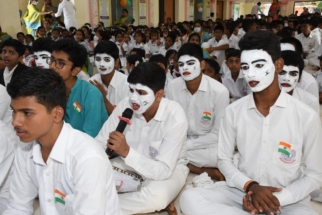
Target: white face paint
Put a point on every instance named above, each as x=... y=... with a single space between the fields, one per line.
x=189 y=67
x=140 y=101
x=41 y=59
x=289 y=78
x=104 y=63
x=258 y=69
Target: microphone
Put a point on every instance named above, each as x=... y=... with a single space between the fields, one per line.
x=124 y=120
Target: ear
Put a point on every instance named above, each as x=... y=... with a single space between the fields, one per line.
x=58 y=114
x=202 y=65
x=159 y=95
x=76 y=70
x=279 y=64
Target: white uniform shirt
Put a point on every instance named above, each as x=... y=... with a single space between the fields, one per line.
x=76 y=167
x=310 y=43
x=121 y=56
x=233 y=42
x=118 y=88
x=163 y=51
x=177 y=45
x=307 y=99
x=317 y=32
x=236 y=89
x=224 y=70
x=258 y=140
x=7 y=75
x=241 y=33
x=220 y=54
x=256 y=9
x=69 y=11
x=157 y=146
x=143 y=46
x=309 y=84
x=318 y=77
x=204 y=110
x=154 y=48
x=5 y=109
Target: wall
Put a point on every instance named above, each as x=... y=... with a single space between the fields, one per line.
x=9 y=19
x=82 y=11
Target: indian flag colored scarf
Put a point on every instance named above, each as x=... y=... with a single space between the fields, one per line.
x=284 y=148
x=59 y=197
x=32 y=19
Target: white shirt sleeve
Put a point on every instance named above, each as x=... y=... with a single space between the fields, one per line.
x=226 y=148
x=312 y=179
x=4 y=102
x=59 y=11
x=317 y=41
x=211 y=138
x=6 y=157
x=22 y=190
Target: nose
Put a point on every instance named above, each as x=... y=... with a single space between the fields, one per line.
x=16 y=120
x=251 y=72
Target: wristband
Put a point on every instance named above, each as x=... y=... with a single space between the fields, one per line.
x=250 y=184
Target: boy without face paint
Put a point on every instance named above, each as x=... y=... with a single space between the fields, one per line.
x=204 y=100
x=52 y=166
x=111 y=83
x=12 y=54
x=85 y=106
x=153 y=144
x=274 y=133
x=291 y=76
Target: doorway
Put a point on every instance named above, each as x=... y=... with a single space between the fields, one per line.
x=220 y=10
x=166 y=10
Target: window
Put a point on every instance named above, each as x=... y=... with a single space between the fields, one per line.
x=308 y=7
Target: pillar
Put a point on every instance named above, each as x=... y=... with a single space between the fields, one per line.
x=182 y=10
x=10 y=17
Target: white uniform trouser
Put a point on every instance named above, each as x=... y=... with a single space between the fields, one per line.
x=203 y=157
x=154 y=195
x=225 y=200
x=70 y=22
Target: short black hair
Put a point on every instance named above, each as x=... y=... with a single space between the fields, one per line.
x=247 y=23
x=194 y=35
x=20 y=33
x=55 y=29
x=139 y=51
x=169 y=53
x=107 y=47
x=31 y=37
x=132 y=59
x=295 y=42
x=76 y=52
x=212 y=63
x=29 y=48
x=43 y=44
x=172 y=36
x=105 y=35
x=219 y=27
x=233 y=53
x=284 y=33
x=159 y=58
x=294 y=59
x=45 y=84
x=191 y=49
x=265 y=40
x=148 y=74
x=16 y=45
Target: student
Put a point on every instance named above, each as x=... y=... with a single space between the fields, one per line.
x=204 y=36
x=21 y=37
x=275 y=135
x=138 y=51
x=169 y=56
x=40 y=33
x=212 y=69
x=291 y=76
x=127 y=43
x=233 y=40
x=85 y=105
x=42 y=51
x=155 y=42
x=5 y=110
x=168 y=44
x=52 y=167
x=55 y=34
x=29 y=39
x=122 y=47
x=162 y=61
x=153 y=145
x=218 y=44
x=234 y=80
x=141 y=43
x=203 y=100
x=111 y=83
x=12 y=54
x=6 y=160
x=307 y=82
x=195 y=38
x=132 y=61
x=310 y=41
x=318 y=77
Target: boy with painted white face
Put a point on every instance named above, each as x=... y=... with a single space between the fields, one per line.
x=275 y=135
x=153 y=145
x=203 y=100
x=111 y=83
x=42 y=49
x=290 y=77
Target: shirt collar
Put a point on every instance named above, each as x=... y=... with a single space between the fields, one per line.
x=114 y=79
x=202 y=86
x=280 y=102
x=159 y=116
x=6 y=70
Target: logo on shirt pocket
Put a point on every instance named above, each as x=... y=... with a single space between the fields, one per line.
x=206 y=118
x=286 y=153
x=59 y=197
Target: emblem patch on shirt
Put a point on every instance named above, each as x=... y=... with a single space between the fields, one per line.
x=206 y=118
x=77 y=107
x=59 y=197
x=153 y=152
x=287 y=154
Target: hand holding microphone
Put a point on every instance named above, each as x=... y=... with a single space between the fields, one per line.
x=117 y=141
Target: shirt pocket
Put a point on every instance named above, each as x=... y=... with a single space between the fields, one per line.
x=205 y=120
x=288 y=157
x=154 y=147
x=69 y=200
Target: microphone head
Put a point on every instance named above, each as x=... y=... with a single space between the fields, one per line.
x=128 y=113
